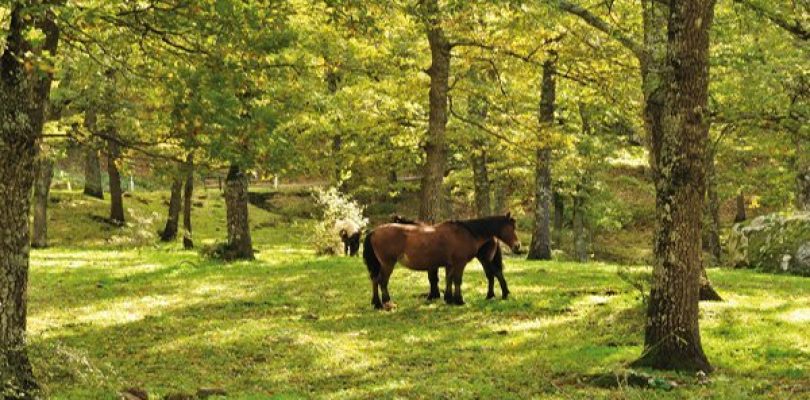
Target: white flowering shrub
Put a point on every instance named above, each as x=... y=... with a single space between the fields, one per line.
x=337 y=211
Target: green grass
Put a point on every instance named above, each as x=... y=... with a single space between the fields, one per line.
x=108 y=315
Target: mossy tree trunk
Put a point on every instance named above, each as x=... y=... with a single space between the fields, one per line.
x=92 y=165
x=116 y=194
x=239 y=245
x=803 y=171
x=188 y=191
x=540 y=247
x=42 y=189
x=435 y=142
x=172 y=220
x=678 y=145
x=24 y=92
x=740 y=215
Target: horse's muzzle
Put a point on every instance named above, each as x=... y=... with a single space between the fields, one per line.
x=516 y=248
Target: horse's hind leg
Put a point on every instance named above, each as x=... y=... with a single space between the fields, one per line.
x=448 y=285
x=457 y=298
x=385 y=275
x=433 y=278
x=375 y=294
x=490 y=281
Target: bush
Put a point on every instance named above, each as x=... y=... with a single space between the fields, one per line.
x=336 y=210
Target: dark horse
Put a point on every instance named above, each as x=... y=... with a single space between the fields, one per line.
x=451 y=244
x=489 y=255
x=351 y=242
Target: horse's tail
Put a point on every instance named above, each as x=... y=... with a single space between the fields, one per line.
x=372 y=263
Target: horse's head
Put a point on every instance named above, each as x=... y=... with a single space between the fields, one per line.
x=508 y=234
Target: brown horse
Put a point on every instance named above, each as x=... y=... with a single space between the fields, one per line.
x=489 y=255
x=451 y=244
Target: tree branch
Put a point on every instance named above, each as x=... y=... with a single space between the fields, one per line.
x=600 y=24
x=796 y=28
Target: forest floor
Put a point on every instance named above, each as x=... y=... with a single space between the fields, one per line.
x=109 y=309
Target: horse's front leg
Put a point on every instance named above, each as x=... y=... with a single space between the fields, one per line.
x=433 y=279
x=504 y=288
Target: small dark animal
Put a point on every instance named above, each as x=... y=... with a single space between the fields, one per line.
x=351 y=242
x=489 y=255
x=422 y=247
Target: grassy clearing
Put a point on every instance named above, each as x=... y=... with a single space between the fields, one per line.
x=292 y=325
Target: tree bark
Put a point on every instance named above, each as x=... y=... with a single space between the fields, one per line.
x=42 y=189
x=116 y=194
x=92 y=165
x=236 y=204
x=24 y=92
x=170 y=231
x=188 y=191
x=540 y=248
x=740 y=215
x=435 y=146
x=678 y=145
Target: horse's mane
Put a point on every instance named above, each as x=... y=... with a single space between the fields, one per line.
x=483 y=227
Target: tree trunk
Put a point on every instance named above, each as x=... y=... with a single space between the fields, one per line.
x=92 y=165
x=580 y=236
x=740 y=215
x=42 y=189
x=707 y=292
x=116 y=194
x=188 y=191
x=24 y=92
x=678 y=145
x=236 y=204
x=559 y=216
x=170 y=231
x=540 y=248
x=713 y=210
x=435 y=146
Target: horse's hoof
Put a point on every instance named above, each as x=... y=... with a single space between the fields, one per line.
x=459 y=302
x=377 y=305
x=490 y=296
x=505 y=296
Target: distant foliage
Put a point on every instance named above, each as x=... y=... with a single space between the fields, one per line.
x=336 y=211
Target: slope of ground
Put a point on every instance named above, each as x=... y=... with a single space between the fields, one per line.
x=292 y=325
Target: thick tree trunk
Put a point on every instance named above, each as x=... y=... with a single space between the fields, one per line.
x=540 y=248
x=24 y=91
x=740 y=215
x=580 y=235
x=236 y=204
x=713 y=211
x=170 y=231
x=188 y=191
x=435 y=146
x=116 y=194
x=559 y=216
x=42 y=189
x=678 y=145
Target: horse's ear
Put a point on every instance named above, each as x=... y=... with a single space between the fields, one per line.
x=508 y=214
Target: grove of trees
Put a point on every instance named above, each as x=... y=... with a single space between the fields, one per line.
x=479 y=107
